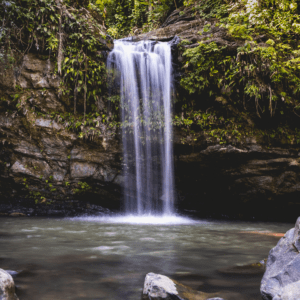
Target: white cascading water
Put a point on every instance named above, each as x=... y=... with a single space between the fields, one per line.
x=141 y=73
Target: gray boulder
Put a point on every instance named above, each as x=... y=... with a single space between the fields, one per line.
x=7 y=286
x=281 y=280
x=160 y=287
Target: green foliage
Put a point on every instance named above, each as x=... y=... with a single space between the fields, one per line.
x=73 y=38
x=209 y=8
x=38 y=197
x=28 y=23
x=212 y=125
x=258 y=73
x=202 y=64
x=226 y=92
x=82 y=187
x=83 y=67
x=124 y=16
x=91 y=125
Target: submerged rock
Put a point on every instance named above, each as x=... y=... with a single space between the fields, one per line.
x=17 y=214
x=249 y=269
x=7 y=286
x=281 y=280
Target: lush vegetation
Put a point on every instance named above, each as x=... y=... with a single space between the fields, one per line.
x=126 y=17
x=59 y=32
x=252 y=89
x=72 y=34
x=261 y=77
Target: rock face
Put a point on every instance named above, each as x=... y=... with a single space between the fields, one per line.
x=46 y=169
x=281 y=280
x=7 y=286
x=45 y=162
x=186 y=24
x=247 y=177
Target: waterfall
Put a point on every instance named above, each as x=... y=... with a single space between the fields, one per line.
x=140 y=74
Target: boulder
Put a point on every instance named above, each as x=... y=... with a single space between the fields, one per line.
x=7 y=286
x=281 y=280
x=158 y=287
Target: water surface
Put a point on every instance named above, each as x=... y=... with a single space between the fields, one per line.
x=108 y=258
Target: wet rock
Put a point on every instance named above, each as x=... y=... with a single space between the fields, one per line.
x=195 y=281
x=81 y=170
x=43 y=161
x=281 y=280
x=17 y=214
x=8 y=79
x=31 y=167
x=53 y=208
x=7 y=286
x=222 y=149
x=26 y=148
x=188 y=25
x=248 y=176
x=48 y=123
x=158 y=287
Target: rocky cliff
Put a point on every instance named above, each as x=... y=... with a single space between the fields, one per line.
x=247 y=166
x=49 y=168
x=45 y=166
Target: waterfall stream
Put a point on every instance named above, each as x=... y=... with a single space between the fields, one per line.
x=141 y=74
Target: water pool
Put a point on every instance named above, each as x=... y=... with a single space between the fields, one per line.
x=108 y=258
